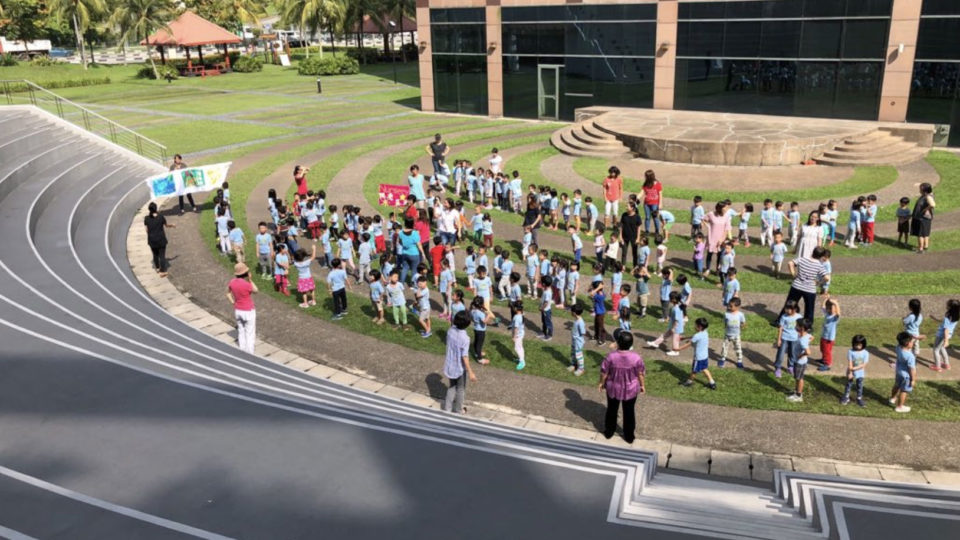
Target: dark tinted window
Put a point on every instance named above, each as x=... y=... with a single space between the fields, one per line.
x=781 y=8
x=821 y=39
x=863 y=8
x=457 y=15
x=700 y=39
x=518 y=14
x=940 y=7
x=865 y=38
x=460 y=84
x=939 y=39
x=823 y=8
x=781 y=39
x=459 y=38
x=743 y=10
x=519 y=38
x=742 y=39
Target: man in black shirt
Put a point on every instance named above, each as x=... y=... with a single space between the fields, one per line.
x=629 y=229
x=438 y=151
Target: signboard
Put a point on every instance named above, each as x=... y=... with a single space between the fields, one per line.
x=390 y=195
x=284 y=60
x=189 y=180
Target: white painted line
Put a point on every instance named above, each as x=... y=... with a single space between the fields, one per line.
x=11 y=534
x=111 y=507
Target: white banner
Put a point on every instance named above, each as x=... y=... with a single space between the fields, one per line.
x=189 y=180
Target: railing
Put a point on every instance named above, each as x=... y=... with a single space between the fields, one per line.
x=23 y=92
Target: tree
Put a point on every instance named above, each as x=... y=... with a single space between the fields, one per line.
x=397 y=10
x=140 y=18
x=24 y=21
x=313 y=15
x=81 y=13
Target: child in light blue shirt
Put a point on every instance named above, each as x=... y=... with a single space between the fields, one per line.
x=857 y=360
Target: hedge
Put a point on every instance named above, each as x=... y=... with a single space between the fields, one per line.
x=247 y=64
x=328 y=65
x=164 y=71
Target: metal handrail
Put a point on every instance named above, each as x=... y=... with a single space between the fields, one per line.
x=141 y=145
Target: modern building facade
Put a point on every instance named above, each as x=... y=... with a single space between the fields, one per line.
x=889 y=60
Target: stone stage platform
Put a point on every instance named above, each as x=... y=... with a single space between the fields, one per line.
x=706 y=138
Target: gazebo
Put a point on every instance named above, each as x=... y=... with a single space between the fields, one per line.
x=370 y=26
x=191 y=30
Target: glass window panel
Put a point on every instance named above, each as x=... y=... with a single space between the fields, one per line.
x=821 y=39
x=780 y=39
x=865 y=38
x=640 y=12
x=445 y=83
x=743 y=10
x=639 y=39
x=636 y=86
x=472 y=38
x=705 y=10
x=776 y=83
x=940 y=7
x=517 y=14
x=520 y=86
x=578 y=39
x=457 y=15
x=858 y=90
x=472 y=84
x=781 y=8
x=938 y=39
x=815 y=86
x=935 y=97
x=606 y=76
x=550 y=38
x=552 y=13
x=442 y=38
x=519 y=38
x=863 y=8
x=577 y=79
x=704 y=39
x=741 y=39
x=823 y=8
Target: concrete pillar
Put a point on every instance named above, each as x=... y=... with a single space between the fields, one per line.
x=898 y=71
x=426 y=56
x=494 y=60
x=664 y=69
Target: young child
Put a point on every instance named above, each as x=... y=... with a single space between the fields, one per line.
x=766 y=223
x=576 y=242
x=476 y=223
x=731 y=287
x=853 y=226
x=857 y=360
x=801 y=353
x=726 y=263
x=793 y=218
x=786 y=337
x=364 y=256
x=486 y=229
x=832 y=216
x=483 y=287
x=326 y=245
x=264 y=241
x=599 y=244
x=903 y=221
x=697 y=214
x=599 y=311
x=674 y=327
x=546 y=308
x=701 y=354
x=481 y=318
x=422 y=296
x=906 y=378
x=643 y=256
x=223 y=229
x=945 y=331
x=397 y=300
x=374 y=279
x=545 y=268
x=237 y=239
x=337 y=281
x=506 y=270
x=470 y=266
x=661 y=252
x=437 y=255
x=456 y=303
x=643 y=288
x=578 y=335
x=870 y=218
x=572 y=284
x=281 y=268
x=666 y=220
x=516 y=324
x=743 y=234
x=593 y=214
x=778 y=250
x=912 y=322
x=345 y=247
x=699 y=251
x=446 y=282
x=666 y=288
x=734 y=323
x=305 y=284
x=616 y=282
x=533 y=264
x=622 y=311
x=828 y=334
x=527 y=239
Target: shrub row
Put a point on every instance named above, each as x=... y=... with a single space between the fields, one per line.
x=247 y=64
x=329 y=65
x=164 y=71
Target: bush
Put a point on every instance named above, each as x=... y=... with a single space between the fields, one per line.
x=42 y=61
x=7 y=60
x=164 y=71
x=247 y=64
x=365 y=56
x=329 y=65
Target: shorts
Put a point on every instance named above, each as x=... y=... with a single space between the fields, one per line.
x=424 y=315
x=903 y=383
x=305 y=285
x=903 y=227
x=799 y=370
x=700 y=365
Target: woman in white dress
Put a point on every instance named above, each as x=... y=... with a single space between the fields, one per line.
x=811 y=236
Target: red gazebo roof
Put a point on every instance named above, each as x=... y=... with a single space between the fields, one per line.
x=191 y=30
x=370 y=25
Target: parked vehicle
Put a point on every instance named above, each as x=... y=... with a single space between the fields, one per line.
x=21 y=51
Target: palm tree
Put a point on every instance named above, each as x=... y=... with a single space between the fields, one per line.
x=236 y=11
x=80 y=13
x=140 y=18
x=313 y=15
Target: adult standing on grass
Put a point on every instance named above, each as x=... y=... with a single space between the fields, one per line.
x=922 y=219
x=240 y=292
x=652 y=199
x=718 y=226
x=808 y=273
x=415 y=181
x=811 y=237
x=612 y=192
x=532 y=217
x=157 y=238
x=629 y=231
x=411 y=251
x=300 y=178
x=176 y=166
x=456 y=364
x=448 y=224
x=438 y=150
x=622 y=378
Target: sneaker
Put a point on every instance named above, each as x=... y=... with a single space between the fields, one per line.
x=578 y=372
x=721 y=363
x=777 y=373
x=571 y=368
x=938 y=369
x=547 y=338
x=845 y=400
x=902 y=409
x=336 y=317
x=794 y=398
x=892 y=401
x=712 y=386
x=483 y=361
x=686 y=382
x=652 y=345
x=673 y=353
x=426 y=334
x=521 y=365
x=823 y=367
x=740 y=365
x=661 y=320
x=860 y=402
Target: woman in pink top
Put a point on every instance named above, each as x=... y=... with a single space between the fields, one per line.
x=718 y=225
x=652 y=198
x=612 y=192
x=300 y=177
x=240 y=293
x=622 y=378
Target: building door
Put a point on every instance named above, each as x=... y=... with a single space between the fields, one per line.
x=548 y=91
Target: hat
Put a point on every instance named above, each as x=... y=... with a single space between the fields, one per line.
x=240 y=269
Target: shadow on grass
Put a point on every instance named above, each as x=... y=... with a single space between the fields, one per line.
x=412 y=102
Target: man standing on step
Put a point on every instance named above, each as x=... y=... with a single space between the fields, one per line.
x=438 y=151
x=177 y=165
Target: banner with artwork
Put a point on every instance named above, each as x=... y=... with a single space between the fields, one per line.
x=390 y=195
x=189 y=180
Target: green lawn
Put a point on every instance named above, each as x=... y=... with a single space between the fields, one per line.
x=195 y=135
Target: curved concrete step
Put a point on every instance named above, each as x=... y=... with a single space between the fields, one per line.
x=871 y=153
x=872 y=137
x=880 y=144
x=561 y=140
x=592 y=130
x=602 y=144
x=892 y=160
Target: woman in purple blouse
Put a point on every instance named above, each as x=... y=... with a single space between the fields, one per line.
x=621 y=377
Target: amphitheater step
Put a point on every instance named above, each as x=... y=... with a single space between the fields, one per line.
x=575 y=141
x=874 y=148
x=901 y=158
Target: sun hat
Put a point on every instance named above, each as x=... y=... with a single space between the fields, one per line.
x=240 y=269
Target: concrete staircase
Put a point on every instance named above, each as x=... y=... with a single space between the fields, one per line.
x=875 y=148
x=585 y=139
